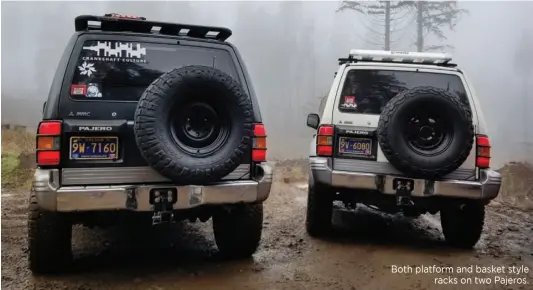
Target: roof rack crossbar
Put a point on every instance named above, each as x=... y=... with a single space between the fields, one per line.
x=82 y=23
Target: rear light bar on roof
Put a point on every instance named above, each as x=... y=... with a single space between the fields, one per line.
x=124 y=16
x=482 y=151
x=259 y=148
x=324 y=141
x=48 y=143
x=400 y=56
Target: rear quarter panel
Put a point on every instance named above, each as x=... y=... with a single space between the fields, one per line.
x=326 y=116
x=481 y=127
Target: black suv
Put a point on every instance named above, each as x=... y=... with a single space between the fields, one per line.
x=148 y=117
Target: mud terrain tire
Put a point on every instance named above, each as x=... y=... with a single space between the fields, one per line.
x=175 y=94
x=319 y=209
x=462 y=226
x=238 y=230
x=49 y=240
x=443 y=124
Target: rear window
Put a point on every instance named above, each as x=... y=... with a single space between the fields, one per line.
x=368 y=91
x=121 y=71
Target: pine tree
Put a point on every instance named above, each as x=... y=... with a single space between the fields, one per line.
x=430 y=16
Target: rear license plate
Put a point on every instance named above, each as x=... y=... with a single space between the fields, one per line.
x=355 y=146
x=94 y=148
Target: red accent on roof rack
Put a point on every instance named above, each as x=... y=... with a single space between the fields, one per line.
x=124 y=16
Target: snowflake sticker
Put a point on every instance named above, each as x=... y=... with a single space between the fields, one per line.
x=87 y=69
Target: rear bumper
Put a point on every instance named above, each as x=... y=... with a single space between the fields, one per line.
x=486 y=188
x=53 y=197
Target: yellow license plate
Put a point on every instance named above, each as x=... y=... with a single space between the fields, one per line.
x=355 y=146
x=94 y=148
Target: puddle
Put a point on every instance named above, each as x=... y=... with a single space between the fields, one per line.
x=301 y=185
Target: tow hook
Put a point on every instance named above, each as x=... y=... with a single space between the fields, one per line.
x=405 y=201
x=163 y=200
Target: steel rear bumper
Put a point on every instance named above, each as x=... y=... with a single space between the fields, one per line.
x=53 y=197
x=486 y=188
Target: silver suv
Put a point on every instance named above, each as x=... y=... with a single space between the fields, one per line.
x=402 y=132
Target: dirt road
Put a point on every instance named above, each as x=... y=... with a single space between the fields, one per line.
x=361 y=254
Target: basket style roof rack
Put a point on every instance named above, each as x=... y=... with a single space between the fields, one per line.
x=425 y=58
x=117 y=22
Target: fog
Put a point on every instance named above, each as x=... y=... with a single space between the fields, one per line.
x=291 y=51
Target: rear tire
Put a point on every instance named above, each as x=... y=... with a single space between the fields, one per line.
x=49 y=240
x=319 y=209
x=238 y=230
x=462 y=226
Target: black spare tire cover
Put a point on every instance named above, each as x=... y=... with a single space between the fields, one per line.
x=163 y=124
x=426 y=132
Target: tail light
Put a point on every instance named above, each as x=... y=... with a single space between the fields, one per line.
x=482 y=151
x=324 y=141
x=48 y=143
x=259 y=147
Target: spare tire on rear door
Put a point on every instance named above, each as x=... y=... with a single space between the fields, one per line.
x=426 y=132
x=194 y=124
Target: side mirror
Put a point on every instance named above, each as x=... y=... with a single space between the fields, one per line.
x=44 y=106
x=313 y=120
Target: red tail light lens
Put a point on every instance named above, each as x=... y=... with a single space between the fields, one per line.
x=324 y=140
x=48 y=157
x=325 y=130
x=324 y=150
x=259 y=147
x=50 y=128
x=482 y=151
x=48 y=143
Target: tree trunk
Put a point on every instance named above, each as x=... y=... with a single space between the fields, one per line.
x=420 y=26
x=387 y=25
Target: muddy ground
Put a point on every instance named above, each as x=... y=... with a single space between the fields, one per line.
x=360 y=254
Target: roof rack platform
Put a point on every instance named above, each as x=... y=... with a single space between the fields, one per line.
x=112 y=22
x=425 y=58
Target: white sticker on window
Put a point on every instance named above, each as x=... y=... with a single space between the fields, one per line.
x=87 y=69
x=113 y=51
x=93 y=91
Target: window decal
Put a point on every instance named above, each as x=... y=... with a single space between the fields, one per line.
x=93 y=91
x=79 y=90
x=114 y=51
x=349 y=102
x=87 y=69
